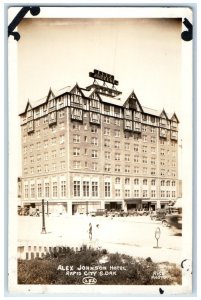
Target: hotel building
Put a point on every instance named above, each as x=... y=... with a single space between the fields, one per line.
x=94 y=147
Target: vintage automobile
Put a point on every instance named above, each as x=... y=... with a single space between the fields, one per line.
x=101 y=212
x=159 y=215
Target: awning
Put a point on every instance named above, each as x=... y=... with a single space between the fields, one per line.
x=133 y=200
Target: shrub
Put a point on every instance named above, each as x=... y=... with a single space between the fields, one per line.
x=137 y=271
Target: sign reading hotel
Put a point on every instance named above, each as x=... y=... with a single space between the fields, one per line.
x=103 y=76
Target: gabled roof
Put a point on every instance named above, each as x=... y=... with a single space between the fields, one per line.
x=174 y=116
x=151 y=111
x=77 y=86
x=26 y=107
x=163 y=113
x=133 y=97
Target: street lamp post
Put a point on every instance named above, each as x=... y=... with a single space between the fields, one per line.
x=43 y=218
x=47 y=209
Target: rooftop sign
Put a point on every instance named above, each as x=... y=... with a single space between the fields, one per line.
x=103 y=76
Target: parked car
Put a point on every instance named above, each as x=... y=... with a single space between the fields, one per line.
x=158 y=214
x=101 y=212
x=122 y=213
x=93 y=213
x=132 y=212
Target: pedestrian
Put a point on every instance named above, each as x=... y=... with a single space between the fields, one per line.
x=90 y=231
x=97 y=237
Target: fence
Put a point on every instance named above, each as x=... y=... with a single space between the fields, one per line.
x=27 y=250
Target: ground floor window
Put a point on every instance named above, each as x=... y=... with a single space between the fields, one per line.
x=63 y=188
x=85 y=189
x=94 y=189
x=76 y=188
x=47 y=189
x=107 y=189
x=54 y=189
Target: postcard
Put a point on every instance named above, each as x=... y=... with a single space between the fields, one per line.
x=100 y=150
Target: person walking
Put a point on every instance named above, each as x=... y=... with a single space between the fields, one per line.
x=90 y=231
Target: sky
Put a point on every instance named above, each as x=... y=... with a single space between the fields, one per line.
x=144 y=55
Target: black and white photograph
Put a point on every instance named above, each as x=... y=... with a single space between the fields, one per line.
x=100 y=151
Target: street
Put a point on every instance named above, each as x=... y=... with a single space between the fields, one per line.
x=129 y=235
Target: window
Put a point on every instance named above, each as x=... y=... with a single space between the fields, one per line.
x=162 y=152
x=86 y=164
x=162 y=172
x=144 y=160
x=144 y=138
x=153 y=171
x=76 y=188
x=26 y=191
x=144 y=128
x=63 y=165
x=47 y=189
x=85 y=151
x=32 y=170
x=117 y=168
x=145 y=170
x=153 y=119
x=94 y=129
x=144 y=193
x=173 y=173
x=94 y=154
x=61 y=113
x=117 y=180
x=144 y=118
x=173 y=183
x=54 y=189
x=168 y=194
x=107 y=143
x=127 y=157
x=53 y=141
x=136 y=170
x=117 y=133
x=106 y=120
x=144 y=149
x=85 y=138
x=117 y=193
x=107 y=155
x=136 y=193
x=85 y=189
x=153 y=140
x=117 y=122
x=45 y=120
x=76 y=126
x=107 y=189
x=39 y=190
x=76 y=164
x=62 y=152
x=127 y=193
x=45 y=143
x=53 y=167
x=107 y=167
x=162 y=182
x=76 y=138
x=127 y=180
x=38 y=157
x=63 y=188
x=153 y=160
x=162 y=162
x=39 y=170
x=46 y=156
x=117 y=145
x=62 y=139
x=46 y=169
x=117 y=156
x=127 y=169
x=127 y=146
x=162 y=194
x=136 y=158
x=76 y=151
x=94 y=166
x=32 y=191
x=153 y=129
x=136 y=181
x=38 y=133
x=136 y=147
x=144 y=181
x=167 y=183
x=153 y=182
x=153 y=193
x=25 y=150
x=106 y=131
x=173 y=194
x=153 y=150
x=94 y=186
x=94 y=141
